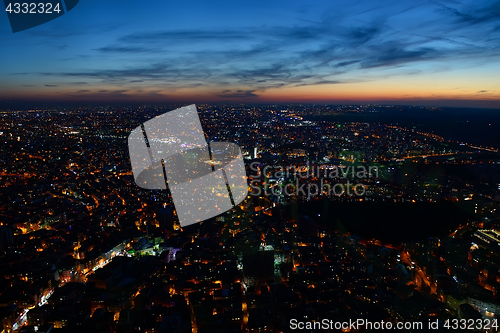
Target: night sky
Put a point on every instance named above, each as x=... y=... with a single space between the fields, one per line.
x=443 y=53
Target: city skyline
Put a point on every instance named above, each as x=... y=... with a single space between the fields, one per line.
x=437 y=53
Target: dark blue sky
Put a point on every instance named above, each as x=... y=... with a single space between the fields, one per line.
x=427 y=52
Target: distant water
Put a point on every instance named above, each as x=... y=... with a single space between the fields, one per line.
x=475 y=126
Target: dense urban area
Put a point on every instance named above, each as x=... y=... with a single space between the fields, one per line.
x=344 y=221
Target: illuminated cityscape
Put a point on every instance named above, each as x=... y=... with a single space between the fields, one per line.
x=83 y=249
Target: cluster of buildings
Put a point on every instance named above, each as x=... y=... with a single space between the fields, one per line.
x=83 y=249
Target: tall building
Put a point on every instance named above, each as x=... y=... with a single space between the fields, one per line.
x=258 y=267
x=166 y=218
x=9 y=314
x=6 y=237
x=307 y=227
x=497 y=195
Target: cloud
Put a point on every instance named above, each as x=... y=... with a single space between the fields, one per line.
x=486 y=13
x=346 y=63
x=189 y=36
x=320 y=82
x=362 y=35
x=237 y=94
x=51 y=85
x=124 y=49
x=115 y=95
x=392 y=56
